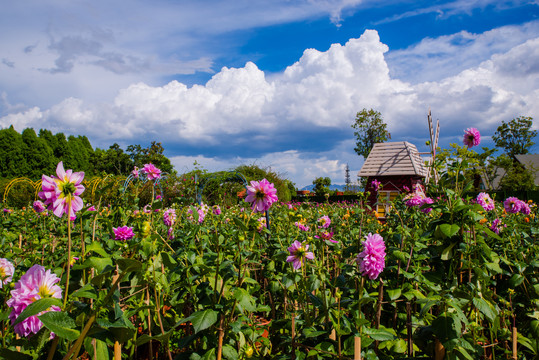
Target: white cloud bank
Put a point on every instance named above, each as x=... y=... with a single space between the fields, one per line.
x=298 y=122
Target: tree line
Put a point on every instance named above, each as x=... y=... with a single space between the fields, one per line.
x=31 y=155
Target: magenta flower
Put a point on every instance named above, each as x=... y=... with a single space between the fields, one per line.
x=216 y=210
x=261 y=194
x=37 y=283
x=261 y=224
x=38 y=206
x=524 y=208
x=485 y=201
x=426 y=200
x=123 y=233
x=302 y=226
x=472 y=137
x=135 y=172
x=326 y=235
x=324 y=222
x=6 y=271
x=61 y=194
x=376 y=185
x=372 y=259
x=497 y=226
x=151 y=171
x=298 y=254
x=92 y=208
x=415 y=200
x=512 y=205
x=169 y=217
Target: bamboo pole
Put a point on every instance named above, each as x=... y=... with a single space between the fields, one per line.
x=409 y=329
x=514 y=338
x=221 y=336
x=357 y=348
x=439 y=350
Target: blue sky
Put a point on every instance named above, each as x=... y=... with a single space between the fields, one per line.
x=276 y=83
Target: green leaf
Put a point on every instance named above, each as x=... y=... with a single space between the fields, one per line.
x=446 y=254
x=202 y=319
x=13 y=355
x=100 y=264
x=449 y=230
x=245 y=300
x=399 y=346
x=229 y=352
x=37 y=307
x=485 y=308
x=87 y=291
x=61 y=324
x=394 y=294
x=128 y=265
x=97 y=248
x=379 y=334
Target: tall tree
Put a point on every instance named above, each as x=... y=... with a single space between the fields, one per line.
x=38 y=155
x=370 y=129
x=515 y=137
x=321 y=185
x=12 y=160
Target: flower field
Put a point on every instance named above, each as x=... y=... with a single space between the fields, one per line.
x=446 y=275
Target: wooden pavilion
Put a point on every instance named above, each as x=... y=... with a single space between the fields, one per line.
x=398 y=166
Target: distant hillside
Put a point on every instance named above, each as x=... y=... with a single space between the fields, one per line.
x=331 y=187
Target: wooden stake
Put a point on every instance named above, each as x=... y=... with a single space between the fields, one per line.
x=221 y=336
x=439 y=350
x=514 y=342
x=357 y=348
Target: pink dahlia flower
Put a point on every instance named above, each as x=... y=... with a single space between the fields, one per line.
x=298 y=254
x=123 y=233
x=372 y=259
x=261 y=224
x=38 y=206
x=376 y=185
x=216 y=210
x=261 y=194
x=472 y=137
x=326 y=235
x=135 y=172
x=324 y=222
x=37 y=283
x=151 y=171
x=429 y=201
x=512 y=205
x=6 y=271
x=415 y=200
x=524 y=208
x=485 y=201
x=61 y=194
x=302 y=226
x=497 y=226
x=169 y=217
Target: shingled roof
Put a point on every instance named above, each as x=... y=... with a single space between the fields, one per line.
x=393 y=158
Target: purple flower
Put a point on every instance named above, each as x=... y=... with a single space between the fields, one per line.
x=376 y=185
x=38 y=206
x=36 y=284
x=324 y=222
x=169 y=217
x=61 y=194
x=326 y=235
x=6 y=271
x=123 y=233
x=472 y=137
x=415 y=200
x=151 y=171
x=512 y=205
x=497 y=226
x=426 y=200
x=135 y=172
x=216 y=210
x=485 y=201
x=524 y=208
x=261 y=224
x=298 y=254
x=261 y=194
x=372 y=259
x=302 y=226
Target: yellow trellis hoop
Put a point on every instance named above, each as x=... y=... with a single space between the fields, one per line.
x=35 y=184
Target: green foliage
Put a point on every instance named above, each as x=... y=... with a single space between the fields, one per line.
x=321 y=185
x=515 y=176
x=516 y=136
x=370 y=129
